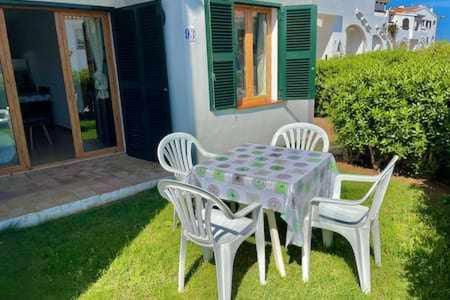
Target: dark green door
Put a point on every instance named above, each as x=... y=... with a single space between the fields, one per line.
x=141 y=62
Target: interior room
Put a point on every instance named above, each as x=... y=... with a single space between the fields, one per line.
x=40 y=85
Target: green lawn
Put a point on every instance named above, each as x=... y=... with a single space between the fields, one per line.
x=88 y=130
x=128 y=251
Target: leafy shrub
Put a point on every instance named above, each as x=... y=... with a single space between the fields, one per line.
x=391 y=102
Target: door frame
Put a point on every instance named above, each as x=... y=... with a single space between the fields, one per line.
x=13 y=98
x=70 y=88
x=13 y=101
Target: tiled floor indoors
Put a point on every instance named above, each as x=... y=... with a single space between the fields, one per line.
x=61 y=190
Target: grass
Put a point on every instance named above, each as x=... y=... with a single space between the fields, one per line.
x=88 y=130
x=128 y=250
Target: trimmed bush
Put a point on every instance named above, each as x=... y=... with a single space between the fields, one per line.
x=390 y=102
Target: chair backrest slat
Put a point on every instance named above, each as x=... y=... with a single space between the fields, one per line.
x=193 y=206
x=175 y=153
x=304 y=136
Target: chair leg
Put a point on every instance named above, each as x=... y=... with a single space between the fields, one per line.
x=182 y=263
x=376 y=239
x=359 y=240
x=364 y=239
x=47 y=135
x=207 y=254
x=276 y=247
x=260 y=248
x=327 y=238
x=174 y=219
x=306 y=249
x=224 y=256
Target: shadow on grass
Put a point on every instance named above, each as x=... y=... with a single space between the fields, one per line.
x=340 y=248
x=427 y=265
x=246 y=257
x=62 y=258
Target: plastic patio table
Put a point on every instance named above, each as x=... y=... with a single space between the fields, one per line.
x=282 y=180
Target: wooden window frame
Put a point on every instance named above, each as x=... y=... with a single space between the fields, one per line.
x=250 y=100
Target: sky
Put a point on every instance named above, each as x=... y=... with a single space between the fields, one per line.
x=441 y=8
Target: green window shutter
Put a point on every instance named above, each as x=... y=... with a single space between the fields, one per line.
x=221 y=58
x=297 y=52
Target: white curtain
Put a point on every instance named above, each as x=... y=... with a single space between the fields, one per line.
x=95 y=41
x=261 y=54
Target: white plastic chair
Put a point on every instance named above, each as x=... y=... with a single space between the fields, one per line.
x=175 y=156
x=209 y=223
x=352 y=220
x=4 y=117
x=301 y=136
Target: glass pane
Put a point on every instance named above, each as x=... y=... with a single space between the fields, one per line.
x=91 y=82
x=259 y=53
x=240 y=59
x=8 y=150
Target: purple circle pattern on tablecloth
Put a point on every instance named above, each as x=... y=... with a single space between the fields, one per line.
x=262 y=172
x=300 y=165
x=238 y=162
x=284 y=176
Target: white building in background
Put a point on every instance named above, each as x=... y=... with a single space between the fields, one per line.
x=413 y=27
x=351 y=27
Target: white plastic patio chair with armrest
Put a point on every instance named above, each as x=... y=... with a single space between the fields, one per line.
x=299 y=136
x=209 y=223
x=352 y=220
x=175 y=153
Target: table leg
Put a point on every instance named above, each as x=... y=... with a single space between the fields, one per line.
x=276 y=247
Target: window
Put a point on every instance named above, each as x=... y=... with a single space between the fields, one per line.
x=405 y=24
x=244 y=65
x=380 y=6
x=253 y=59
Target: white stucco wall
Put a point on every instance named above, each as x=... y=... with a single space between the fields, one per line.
x=188 y=73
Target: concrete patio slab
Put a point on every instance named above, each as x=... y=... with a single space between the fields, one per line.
x=40 y=195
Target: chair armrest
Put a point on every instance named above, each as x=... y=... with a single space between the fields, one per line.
x=247 y=210
x=319 y=200
x=357 y=178
x=350 y=177
x=207 y=154
x=174 y=171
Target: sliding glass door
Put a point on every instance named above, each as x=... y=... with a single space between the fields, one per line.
x=90 y=81
x=13 y=154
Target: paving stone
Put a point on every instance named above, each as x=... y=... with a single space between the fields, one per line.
x=41 y=189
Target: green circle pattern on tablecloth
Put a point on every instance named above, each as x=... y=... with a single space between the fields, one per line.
x=219 y=175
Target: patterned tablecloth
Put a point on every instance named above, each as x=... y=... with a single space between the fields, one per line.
x=283 y=180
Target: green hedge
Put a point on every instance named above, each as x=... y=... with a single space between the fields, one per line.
x=390 y=102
